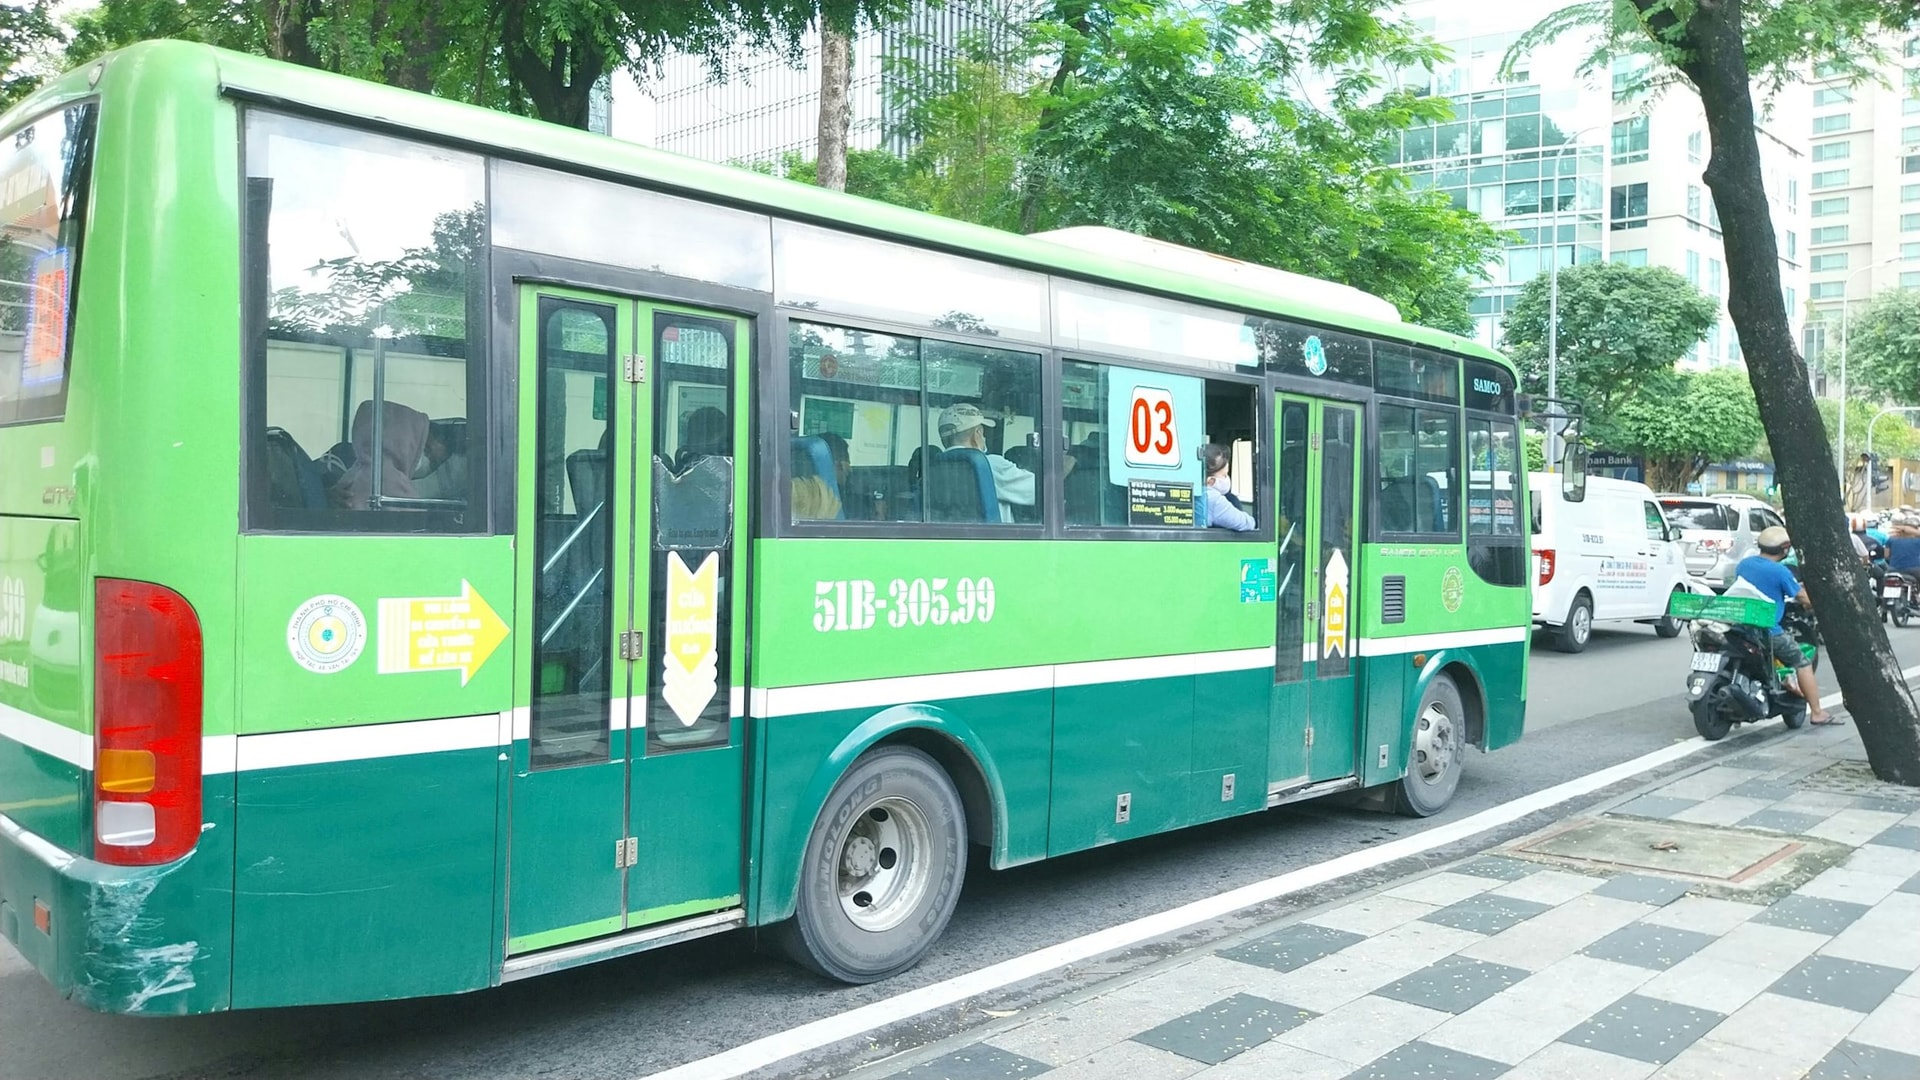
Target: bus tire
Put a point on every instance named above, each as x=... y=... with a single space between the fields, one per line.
x=1433 y=764
x=882 y=869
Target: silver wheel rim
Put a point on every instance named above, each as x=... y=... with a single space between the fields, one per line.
x=1433 y=744
x=1582 y=622
x=882 y=869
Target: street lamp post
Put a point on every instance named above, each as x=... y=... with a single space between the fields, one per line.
x=1553 y=289
x=1867 y=502
x=1846 y=308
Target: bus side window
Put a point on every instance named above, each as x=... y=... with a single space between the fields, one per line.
x=364 y=258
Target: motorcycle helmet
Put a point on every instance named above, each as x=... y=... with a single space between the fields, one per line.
x=1773 y=540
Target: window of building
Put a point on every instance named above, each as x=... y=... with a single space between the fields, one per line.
x=926 y=430
x=1910 y=222
x=366 y=275
x=1793 y=244
x=1826 y=264
x=1823 y=125
x=1909 y=193
x=1693 y=201
x=1910 y=279
x=48 y=165
x=1693 y=268
x=1713 y=277
x=1833 y=151
x=1912 y=47
x=1696 y=142
x=1831 y=95
x=1630 y=257
x=1827 y=290
x=1631 y=139
x=1793 y=194
x=1910 y=251
x=1910 y=106
x=1790 y=298
x=1629 y=206
x=1910 y=163
x=1833 y=207
x=1830 y=234
x=1830 y=179
x=1910 y=135
x=1132 y=438
x=1713 y=342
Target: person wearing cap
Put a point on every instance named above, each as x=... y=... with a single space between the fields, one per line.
x=1763 y=572
x=962 y=425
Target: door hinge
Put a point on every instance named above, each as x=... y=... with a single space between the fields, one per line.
x=626 y=852
x=1309 y=738
x=633 y=367
x=1313 y=441
x=1310 y=609
x=633 y=645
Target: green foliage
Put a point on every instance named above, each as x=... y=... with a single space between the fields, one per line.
x=1173 y=121
x=29 y=37
x=1680 y=422
x=1883 y=348
x=1893 y=435
x=1620 y=327
x=1536 y=442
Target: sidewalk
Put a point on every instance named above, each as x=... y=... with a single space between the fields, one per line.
x=1754 y=919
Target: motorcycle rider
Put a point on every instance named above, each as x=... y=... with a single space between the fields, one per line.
x=1763 y=572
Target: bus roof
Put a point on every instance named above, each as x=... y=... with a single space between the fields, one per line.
x=192 y=68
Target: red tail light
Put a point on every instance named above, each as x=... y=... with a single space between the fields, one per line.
x=1546 y=564
x=147 y=678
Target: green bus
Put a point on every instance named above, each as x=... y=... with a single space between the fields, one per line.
x=439 y=548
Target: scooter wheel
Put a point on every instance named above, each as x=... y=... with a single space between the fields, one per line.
x=1710 y=720
x=1902 y=614
x=1794 y=714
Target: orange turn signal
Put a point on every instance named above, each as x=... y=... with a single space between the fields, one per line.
x=125 y=772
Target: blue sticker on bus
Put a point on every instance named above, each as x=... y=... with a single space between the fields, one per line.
x=1257 y=581
x=1315 y=354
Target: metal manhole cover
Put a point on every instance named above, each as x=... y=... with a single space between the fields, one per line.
x=1715 y=854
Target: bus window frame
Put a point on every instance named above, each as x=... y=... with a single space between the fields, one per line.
x=1375 y=532
x=1252 y=378
x=484 y=404
x=784 y=418
x=83 y=241
x=1522 y=495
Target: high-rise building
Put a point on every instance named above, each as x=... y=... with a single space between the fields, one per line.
x=767 y=103
x=1864 y=234
x=1583 y=170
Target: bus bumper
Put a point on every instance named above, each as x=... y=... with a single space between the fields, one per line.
x=104 y=936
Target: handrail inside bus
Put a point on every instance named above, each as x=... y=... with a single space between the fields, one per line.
x=574 y=535
x=578 y=597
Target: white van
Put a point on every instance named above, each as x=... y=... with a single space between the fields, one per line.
x=1611 y=557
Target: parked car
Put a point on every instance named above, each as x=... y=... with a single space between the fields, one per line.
x=1611 y=557
x=1719 y=530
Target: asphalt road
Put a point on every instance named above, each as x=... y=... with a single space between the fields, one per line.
x=631 y=1017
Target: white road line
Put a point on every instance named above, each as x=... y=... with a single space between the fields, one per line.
x=826 y=1031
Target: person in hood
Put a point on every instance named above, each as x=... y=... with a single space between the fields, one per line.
x=403 y=436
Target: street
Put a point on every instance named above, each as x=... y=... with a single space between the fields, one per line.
x=629 y=1018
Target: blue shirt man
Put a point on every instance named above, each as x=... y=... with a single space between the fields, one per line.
x=1903 y=554
x=1764 y=573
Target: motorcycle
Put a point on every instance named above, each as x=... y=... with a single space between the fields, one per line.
x=1735 y=678
x=1899 y=598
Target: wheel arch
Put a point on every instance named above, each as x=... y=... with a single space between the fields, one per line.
x=946 y=738
x=1459 y=667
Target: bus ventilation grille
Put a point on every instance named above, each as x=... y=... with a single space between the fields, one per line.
x=1393 y=599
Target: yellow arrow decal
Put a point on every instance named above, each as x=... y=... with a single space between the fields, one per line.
x=439 y=633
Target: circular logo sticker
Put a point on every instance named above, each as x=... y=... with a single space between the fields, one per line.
x=1452 y=589
x=326 y=634
x=1315 y=354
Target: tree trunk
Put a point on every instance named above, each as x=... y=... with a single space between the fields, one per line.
x=558 y=86
x=836 y=112
x=1075 y=16
x=1876 y=694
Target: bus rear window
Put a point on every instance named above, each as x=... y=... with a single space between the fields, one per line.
x=44 y=171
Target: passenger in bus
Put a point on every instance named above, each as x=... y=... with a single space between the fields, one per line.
x=403 y=438
x=1221 y=511
x=707 y=434
x=442 y=470
x=962 y=425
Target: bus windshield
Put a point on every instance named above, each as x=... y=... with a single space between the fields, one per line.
x=44 y=168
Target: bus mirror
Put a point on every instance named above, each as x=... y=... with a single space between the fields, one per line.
x=1573 y=473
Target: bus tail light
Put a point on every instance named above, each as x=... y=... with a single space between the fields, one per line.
x=147 y=684
x=1546 y=564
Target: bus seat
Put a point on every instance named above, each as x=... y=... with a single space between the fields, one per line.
x=587 y=476
x=1433 y=516
x=959 y=486
x=294 y=479
x=811 y=457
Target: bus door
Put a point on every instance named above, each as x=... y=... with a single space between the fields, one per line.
x=1315 y=711
x=627 y=802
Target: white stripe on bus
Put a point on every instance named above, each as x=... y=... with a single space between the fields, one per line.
x=321 y=746
x=1456 y=639
x=54 y=740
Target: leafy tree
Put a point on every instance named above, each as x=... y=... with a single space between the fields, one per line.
x=1681 y=422
x=1619 y=327
x=29 y=36
x=1725 y=50
x=1883 y=348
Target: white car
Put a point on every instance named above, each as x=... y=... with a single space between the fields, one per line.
x=1611 y=557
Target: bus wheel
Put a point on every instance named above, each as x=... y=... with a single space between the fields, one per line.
x=883 y=868
x=1434 y=771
